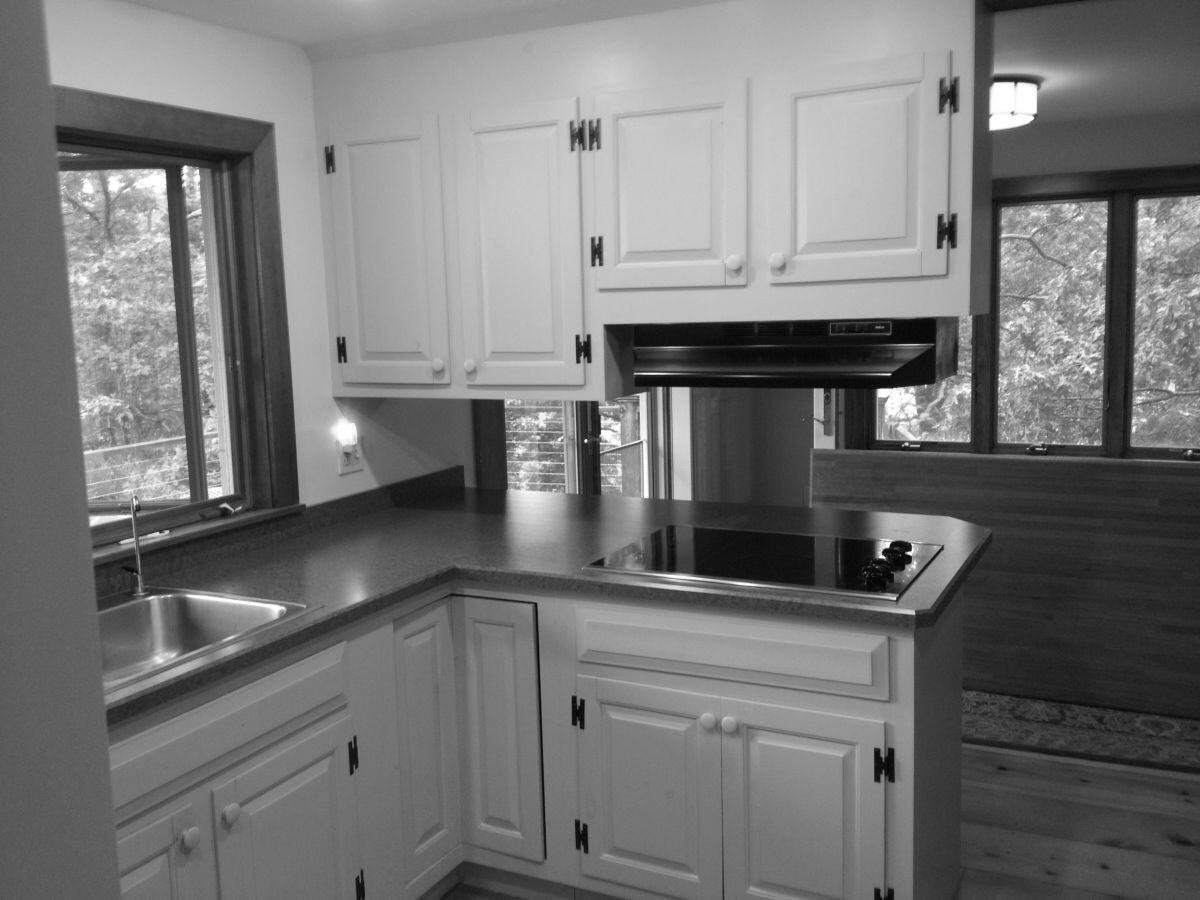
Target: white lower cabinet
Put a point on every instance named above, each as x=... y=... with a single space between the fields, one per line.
x=427 y=728
x=285 y=821
x=498 y=657
x=165 y=854
x=702 y=796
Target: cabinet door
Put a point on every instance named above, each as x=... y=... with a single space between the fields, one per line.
x=804 y=817
x=650 y=788
x=502 y=716
x=520 y=245
x=391 y=276
x=671 y=187
x=430 y=819
x=286 y=824
x=862 y=172
x=166 y=856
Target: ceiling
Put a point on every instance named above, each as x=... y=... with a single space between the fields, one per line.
x=1098 y=58
x=338 y=27
x=1103 y=58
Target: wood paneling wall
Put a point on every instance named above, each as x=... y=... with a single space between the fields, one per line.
x=1090 y=591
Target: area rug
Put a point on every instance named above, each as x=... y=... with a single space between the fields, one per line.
x=1089 y=732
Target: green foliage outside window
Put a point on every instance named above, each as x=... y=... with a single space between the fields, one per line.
x=127 y=344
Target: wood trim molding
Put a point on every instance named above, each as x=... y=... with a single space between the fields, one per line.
x=246 y=149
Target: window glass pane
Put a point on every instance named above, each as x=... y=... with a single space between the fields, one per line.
x=930 y=412
x=1051 y=320
x=126 y=343
x=536 y=445
x=1166 y=364
x=623 y=446
x=131 y=360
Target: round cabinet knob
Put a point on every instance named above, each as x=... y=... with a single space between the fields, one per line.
x=439 y=365
x=778 y=263
x=190 y=839
x=469 y=366
x=708 y=721
x=729 y=724
x=231 y=813
x=733 y=263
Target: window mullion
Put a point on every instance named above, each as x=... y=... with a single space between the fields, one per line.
x=1118 y=350
x=587 y=444
x=189 y=372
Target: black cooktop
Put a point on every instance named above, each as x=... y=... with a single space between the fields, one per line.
x=879 y=568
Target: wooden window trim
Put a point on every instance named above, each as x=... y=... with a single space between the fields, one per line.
x=244 y=149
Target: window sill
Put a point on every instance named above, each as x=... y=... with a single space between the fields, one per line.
x=181 y=534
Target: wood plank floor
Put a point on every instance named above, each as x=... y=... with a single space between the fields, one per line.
x=1046 y=826
x=1038 y=827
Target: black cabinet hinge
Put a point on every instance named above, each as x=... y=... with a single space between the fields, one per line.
x=583 y=349
x=330 y=167
x=584 y=135
x=947 y=230
x=598 y=251
x=948 y=94
x=890 y=894
x=581 y=840
x=577 y=712
x=341 y=349
x=352 y=747
x=885 y=764
x=360 y=886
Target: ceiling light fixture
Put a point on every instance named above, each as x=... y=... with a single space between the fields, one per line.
x=1013 y=101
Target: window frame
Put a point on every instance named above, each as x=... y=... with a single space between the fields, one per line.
x=1122 y=189
x=243 y=152
x=583 y=444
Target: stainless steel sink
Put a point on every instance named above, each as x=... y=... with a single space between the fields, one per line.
x=167 y=627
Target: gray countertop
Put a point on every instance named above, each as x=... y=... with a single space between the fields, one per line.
x=524 y=540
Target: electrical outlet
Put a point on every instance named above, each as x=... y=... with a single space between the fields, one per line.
x=349 y=460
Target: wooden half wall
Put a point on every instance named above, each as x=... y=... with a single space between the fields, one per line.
x=1090 y=591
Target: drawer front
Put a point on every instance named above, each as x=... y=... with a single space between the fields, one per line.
x=804 y=657
x=166 y=752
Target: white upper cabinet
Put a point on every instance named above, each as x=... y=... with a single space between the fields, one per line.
x=386 y=195
x=670 y=187
x=862 y=172
x=520 y=238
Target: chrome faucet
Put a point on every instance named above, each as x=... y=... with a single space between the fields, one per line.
x=139 y=587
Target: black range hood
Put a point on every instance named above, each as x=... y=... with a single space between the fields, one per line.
x=831 y=353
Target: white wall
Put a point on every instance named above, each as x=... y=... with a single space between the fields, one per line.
x=56 y=824
x=116 y=48
x=1095 y=145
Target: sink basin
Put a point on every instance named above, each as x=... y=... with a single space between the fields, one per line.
x=166 y=627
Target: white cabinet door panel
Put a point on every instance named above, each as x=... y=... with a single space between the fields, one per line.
x=863 y=158
x=804 y=817
x=503 y=731
x=286 y=824
x=428 y=736
x=650 y=788
x=520 y=245
x=671 y=187
x=387 y=212
x=155 y=863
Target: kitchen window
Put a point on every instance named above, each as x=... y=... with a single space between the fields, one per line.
x=1090 y=345
x=174 y=261
x=563 y=446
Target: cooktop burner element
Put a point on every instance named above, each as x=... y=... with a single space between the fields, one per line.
x=879 y=568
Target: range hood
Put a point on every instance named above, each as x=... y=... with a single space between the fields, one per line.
x=845 y=353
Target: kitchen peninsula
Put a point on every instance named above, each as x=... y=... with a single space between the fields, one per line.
x=504 y=715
